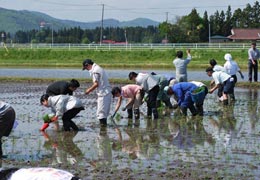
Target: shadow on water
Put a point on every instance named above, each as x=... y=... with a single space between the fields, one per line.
x=222 y=143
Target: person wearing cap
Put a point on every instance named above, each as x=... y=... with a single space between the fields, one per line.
x=65 y=107
x=182 y=93
x=134 y=94
x=232 y=68
x=224 y=79
x=181 y=66
x=253 y=56
x=151 y=86
x=102 y=85
x=7 y=119
x=62 y=87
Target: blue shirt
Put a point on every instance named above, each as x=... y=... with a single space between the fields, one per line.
x=182 y=92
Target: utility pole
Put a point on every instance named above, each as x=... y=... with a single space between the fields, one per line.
x=209 y=33
x=166 y=35
x=102 y=21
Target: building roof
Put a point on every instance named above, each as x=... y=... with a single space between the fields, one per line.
x=245 y=34
x=218 y=37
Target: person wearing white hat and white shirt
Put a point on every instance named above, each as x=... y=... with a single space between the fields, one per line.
x=102 y=85
x=231 y=67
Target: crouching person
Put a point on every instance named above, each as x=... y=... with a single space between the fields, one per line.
x=198 y=95
x=182 y=94
x=7 y=118
x=134 y=94
x=65 y=107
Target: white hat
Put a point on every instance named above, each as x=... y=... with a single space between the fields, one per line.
x=228 y=57
x=165 y=89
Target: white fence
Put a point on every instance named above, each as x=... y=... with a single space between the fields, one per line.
x=129 y=47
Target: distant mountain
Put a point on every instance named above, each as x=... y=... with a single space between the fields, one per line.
x=12 y=20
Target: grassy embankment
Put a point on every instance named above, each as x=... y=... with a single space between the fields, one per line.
x=149 y=59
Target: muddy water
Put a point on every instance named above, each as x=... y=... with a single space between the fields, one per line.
x=222 y=144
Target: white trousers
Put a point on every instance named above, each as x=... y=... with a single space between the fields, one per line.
x=103 y=106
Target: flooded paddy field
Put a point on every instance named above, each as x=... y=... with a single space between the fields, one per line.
x=223 y=144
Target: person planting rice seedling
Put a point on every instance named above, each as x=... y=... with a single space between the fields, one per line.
x=186 y=94
x=62 y=87
x=134 y=94
x=65 y=107
x=221 y=79
x=151 y=86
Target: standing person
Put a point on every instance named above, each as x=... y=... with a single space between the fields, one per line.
x=65 y=107
x=224 y=79
x=181 y=66
x=253 y=56
x=232 y=68
x=62 y=87
x=134 y=94
x=7 y=118
x=182 y=93
x=102 y=85
x=150 y=85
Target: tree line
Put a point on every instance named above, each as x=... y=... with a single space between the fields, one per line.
x=187 y=29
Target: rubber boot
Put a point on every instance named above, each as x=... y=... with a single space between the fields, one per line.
x=193 y=110
x=103 y=122
x=200 y=109
x=1 y=151
x=149 y=112
x=184 y=111
x=130 y=113
x=168 y=103
x=232 y=97
x=155 y=113
x=225 y=102
x=137 y=113
x=158 y=103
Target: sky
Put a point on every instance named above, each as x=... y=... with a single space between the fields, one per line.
x=123 y=10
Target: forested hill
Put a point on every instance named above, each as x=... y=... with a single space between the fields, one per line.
x=12 y=21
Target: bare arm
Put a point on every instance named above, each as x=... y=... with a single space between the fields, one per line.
x=118 y=104
x=214 y=88
x=92 y=88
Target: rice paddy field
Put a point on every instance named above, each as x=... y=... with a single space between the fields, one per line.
x=222 y=144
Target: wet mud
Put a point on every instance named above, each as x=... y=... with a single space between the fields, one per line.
x=222 y=144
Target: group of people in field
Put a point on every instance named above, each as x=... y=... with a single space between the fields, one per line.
x=154 y=90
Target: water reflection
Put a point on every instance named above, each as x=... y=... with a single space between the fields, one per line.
x=253 y=107
x=225 y=138
x=64 y=150
x=104 y=150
